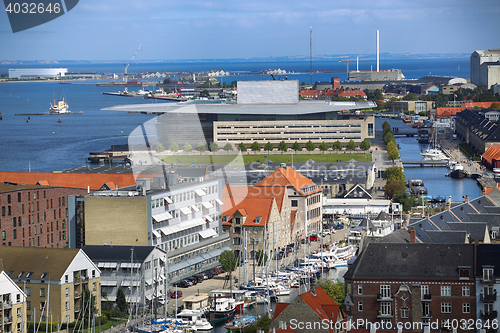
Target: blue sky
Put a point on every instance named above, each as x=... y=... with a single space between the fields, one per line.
x=192 y=29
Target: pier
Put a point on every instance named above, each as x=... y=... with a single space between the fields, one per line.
x=428 y=163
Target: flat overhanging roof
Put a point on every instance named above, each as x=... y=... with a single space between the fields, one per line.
x=303 y=107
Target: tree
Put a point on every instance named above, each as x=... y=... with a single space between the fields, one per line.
x=159 y=148
x=204 y=93
x=334 y=289
x=255 y=146
x=389 y=137
x=395 y=173
x=386 y=126
x=187 y=147
x=282 y=146
x=402 y=197
x=228 y=147
x=214 y=147
x=323 y=146
x=228 y=261
x=201 y=147
x=410 y=97
x=166 y=80
x=242 y=147
x=296 y=146
x=392 y=186
x=268 y=146
x=261 y=257
x=310 y=146
x=351 y=145
x=365 y=144
x=337 y=145
x=121 y=302
x=392 y=150
x=174 y=147
x=495 y=106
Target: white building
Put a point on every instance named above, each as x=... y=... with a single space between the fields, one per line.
x=12 y=305
x=351 y=207
x=34 y=73
x=485 y=67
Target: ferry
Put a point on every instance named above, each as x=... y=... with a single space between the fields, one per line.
x=60 y=107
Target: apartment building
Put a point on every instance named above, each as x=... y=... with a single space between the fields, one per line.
x=12 y=306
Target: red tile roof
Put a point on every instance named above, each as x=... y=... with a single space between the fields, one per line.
x=492 y=153
x=322 y=304
x=446 y=112
x=279 y=307
x=72 y=180
x=287 y=177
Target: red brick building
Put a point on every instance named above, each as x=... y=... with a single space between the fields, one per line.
x=34 y=215
x=410 y=283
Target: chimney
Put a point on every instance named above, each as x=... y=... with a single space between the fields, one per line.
x=413 y=235
x=466 y=199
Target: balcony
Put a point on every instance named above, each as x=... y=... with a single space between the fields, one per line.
x=426 y=297
x=78 y=294
x=385 y=314
x=489 y=279
x=427 y=315
x=7 y=320
x=488 y=297
x=489 y=315
x=385 y=298
x=77 y=309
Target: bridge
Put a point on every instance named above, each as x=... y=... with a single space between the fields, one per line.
x=423 y=163
x=405 y=131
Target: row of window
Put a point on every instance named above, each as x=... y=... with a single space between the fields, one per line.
x=385 y=308
x=312 y=138
x=288 y=126
x=313 y=213
x=197 y=252
x=385 y=290
x=313 y=199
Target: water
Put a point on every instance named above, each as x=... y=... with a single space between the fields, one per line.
x=412 y=68
x=434 y=177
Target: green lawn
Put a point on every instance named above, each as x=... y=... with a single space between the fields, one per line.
x=249 y=158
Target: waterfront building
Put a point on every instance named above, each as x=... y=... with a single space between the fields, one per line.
x=474 y=129
x=12 y=305
x=491 y=158
x=266 y=111
x=35 y=215
x=140 y=272
x=412 y=106
x=262 y=220
x=485 y=67
x=54 y=281
x=313 y=311
x=183 y=219
x=37 y=73
x=303 y=195
x=487 y=282
x=411 y=283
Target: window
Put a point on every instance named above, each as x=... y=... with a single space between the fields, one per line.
x=19 y=197
x=385 y=308
x=464 y=273
x=8 y=198
x=67 y=305
x=28 y=305
x=465 y=291
x=94 y=287
x=93 y=273
x=385 y=290
x=445 y=290
x=405 y=313
x=360 y=289
x=465 y=308
x=360 y=306
x=488 y=274
x=42 y=292
x=445 y=307
x=28 y=291
x=67 y=292
x=295 y=203
x=43 y=275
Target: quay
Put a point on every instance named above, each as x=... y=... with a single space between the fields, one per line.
x=47 y=114
x=124 y=94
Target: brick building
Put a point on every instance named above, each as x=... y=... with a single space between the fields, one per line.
x=34 y=215
x=412 y=283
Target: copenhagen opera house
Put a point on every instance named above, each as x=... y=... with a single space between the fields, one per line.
x=265 y=111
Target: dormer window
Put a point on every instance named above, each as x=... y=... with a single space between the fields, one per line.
x=237 y=220
x=464 y=273
x=225 y=218
x=258 y=219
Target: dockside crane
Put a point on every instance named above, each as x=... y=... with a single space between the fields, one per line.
x=126 y=65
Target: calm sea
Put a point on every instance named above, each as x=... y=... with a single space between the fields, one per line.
x=45 y=145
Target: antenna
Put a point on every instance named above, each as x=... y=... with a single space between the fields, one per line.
x=378 y=50
x=311 y=52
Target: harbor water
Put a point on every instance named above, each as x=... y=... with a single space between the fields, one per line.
x=434 y=178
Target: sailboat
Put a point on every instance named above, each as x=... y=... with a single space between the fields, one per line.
x=434 y=153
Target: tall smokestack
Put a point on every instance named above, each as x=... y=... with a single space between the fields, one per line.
x=378 y=49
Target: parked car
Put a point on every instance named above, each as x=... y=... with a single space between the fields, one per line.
x=313 y=238
x=189 y=282
x=209 y=274
x=176 y=294
x=339 y=226
x=198 y=278
x=193 y=280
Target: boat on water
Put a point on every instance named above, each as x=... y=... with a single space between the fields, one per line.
x=457 y=171
x=60 y=107
x=194 y=319
x=240 y=323
x=222 y=309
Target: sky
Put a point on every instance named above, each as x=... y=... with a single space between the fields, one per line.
x=222 y=29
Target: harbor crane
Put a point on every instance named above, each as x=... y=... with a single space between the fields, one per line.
x=357 y=64
x=126 y=65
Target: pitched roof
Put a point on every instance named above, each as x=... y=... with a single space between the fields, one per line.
x=475 y=230
x=492 y=153
x=487 y=254
x=68 y=179
x=289 y=177
x=448 y=236
x=38 y=260
x=417 y=261
x=382 y=216
x=322 y=304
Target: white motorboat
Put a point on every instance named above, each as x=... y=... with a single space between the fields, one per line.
x=195 y=320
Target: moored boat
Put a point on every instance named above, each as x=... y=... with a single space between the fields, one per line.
x=458 y=171
x=240 y=323
x=60 y=107
x=222 y=309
